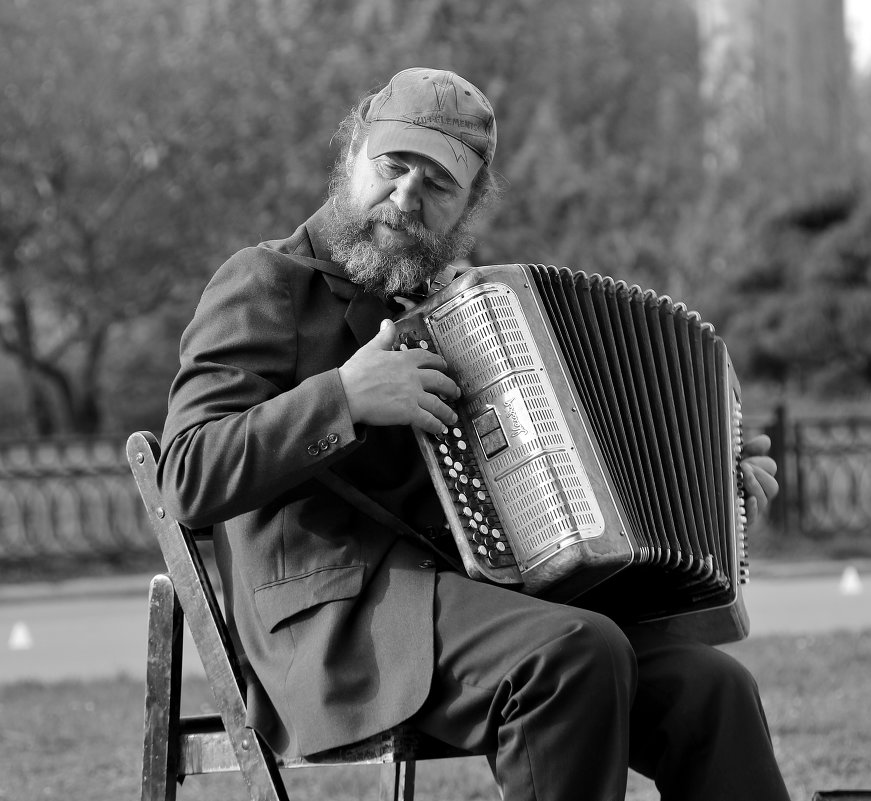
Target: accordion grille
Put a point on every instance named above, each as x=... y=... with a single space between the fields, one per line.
x=542 y=488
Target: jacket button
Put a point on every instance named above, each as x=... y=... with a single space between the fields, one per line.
x=323 y=444
x=427 y=563
x=313 y=449
x=332 y=438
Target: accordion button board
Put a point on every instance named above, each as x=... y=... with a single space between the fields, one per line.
x=598 y=430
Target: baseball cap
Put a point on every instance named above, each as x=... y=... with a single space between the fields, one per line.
x=436 y=114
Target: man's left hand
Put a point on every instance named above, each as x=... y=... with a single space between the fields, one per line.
x=758 y=470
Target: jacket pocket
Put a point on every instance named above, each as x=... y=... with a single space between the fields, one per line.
x=283 y=599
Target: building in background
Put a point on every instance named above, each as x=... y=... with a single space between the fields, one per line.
x=778 y=77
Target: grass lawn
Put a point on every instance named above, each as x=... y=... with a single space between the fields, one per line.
x=82 y=741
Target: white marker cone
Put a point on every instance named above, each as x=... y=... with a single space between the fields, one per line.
x=20 y=639
x=850 y=584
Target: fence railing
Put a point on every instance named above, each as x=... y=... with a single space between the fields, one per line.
x=69 y=498
x=824 y=475
x=76 y=497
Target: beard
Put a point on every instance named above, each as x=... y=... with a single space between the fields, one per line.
x=400 y=268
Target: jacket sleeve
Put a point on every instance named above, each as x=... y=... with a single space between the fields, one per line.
x=240 y=430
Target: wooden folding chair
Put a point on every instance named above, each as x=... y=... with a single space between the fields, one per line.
x=177 y=746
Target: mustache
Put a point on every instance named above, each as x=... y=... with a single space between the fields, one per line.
x=403 y=220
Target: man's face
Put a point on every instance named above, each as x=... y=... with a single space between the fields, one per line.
x=399 y=220
x=411 y=183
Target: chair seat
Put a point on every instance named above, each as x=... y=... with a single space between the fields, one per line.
x=205 y=747
x=176 y=746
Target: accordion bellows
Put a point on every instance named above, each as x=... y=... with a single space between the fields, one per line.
x=595 y=461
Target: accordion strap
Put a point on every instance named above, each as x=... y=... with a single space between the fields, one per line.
x=374 y=510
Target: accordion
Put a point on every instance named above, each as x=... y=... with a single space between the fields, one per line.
x=595 y=458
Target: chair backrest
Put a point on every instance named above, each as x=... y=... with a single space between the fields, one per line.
x=188 y=594
x=179 y=746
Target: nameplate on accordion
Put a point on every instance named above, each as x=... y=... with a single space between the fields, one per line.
x=595 y=458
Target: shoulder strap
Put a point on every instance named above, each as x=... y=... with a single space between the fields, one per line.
x=379 y=514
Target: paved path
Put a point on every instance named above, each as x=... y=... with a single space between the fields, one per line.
x=88 y=629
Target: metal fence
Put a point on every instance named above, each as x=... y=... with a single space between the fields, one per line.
x=69 y=498
x=76 y=497
x=824 y=475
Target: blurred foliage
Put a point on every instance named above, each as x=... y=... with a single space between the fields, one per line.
x=142 y=143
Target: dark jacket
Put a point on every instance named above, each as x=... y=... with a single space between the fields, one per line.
x=334 y=615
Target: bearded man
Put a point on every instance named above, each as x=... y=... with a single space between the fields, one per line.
x=289 y=388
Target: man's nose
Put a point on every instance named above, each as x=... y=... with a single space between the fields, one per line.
x=407 y=192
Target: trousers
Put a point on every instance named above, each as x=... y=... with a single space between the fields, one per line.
x=563 y=702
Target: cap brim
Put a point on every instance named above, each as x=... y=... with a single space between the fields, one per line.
x=394 y=136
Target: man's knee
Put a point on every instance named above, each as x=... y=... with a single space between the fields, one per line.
x=714 y=687
x=581 y=667
x=592 y=649
x=723 y=679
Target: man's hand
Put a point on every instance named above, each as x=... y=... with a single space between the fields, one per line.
x=758 y=469
x=386 y=387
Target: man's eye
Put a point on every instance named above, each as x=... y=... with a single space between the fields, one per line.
x=390 y=168
x=439 y=186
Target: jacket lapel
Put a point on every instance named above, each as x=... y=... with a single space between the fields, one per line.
x=365 y=312
x=364 y=315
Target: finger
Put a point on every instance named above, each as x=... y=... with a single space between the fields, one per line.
x=759 y=483
x=440 y=384
x=763 y=463
x=437 y=408
x=755 y=501
x=758 y=446
x=762 y=475
x=425 y=359
x=385 y=337
x=751 y=510
x=426 y=421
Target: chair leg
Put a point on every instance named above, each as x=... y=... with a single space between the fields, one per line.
x=397 y=781
x=162 y=692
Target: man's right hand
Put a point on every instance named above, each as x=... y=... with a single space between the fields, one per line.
x=385 y=387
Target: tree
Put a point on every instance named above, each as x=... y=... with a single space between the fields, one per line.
x=95 y=202
x=135 y=148
x=142 y=143
x=797 y=310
